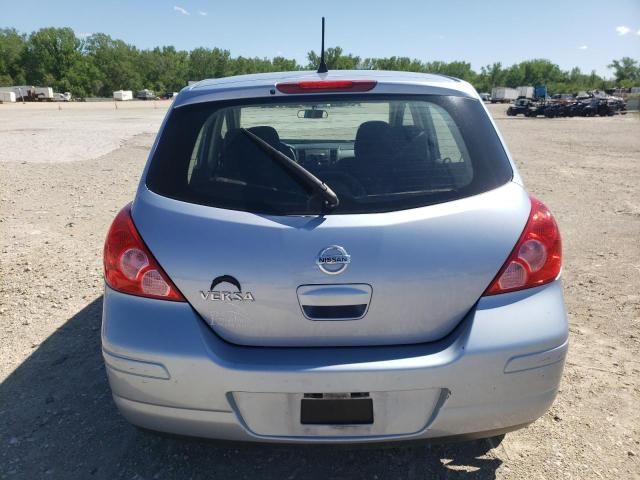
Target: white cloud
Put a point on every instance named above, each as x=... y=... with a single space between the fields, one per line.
x=622 y=30
x=180 y=10
x=638 y=32
x=202 y=14
x=583 y=47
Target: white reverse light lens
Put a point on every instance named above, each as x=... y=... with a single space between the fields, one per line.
x=514 y=276
x=154 y=284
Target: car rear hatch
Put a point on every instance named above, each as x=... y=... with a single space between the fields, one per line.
x=427 y=216
x=417 y=272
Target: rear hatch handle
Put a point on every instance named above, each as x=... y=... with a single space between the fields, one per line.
x=334 y=302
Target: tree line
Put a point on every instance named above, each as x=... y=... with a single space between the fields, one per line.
x=97 y=65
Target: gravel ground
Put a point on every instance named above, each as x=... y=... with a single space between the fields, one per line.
x=65 y=173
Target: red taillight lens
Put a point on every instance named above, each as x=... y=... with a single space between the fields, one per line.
x=312 y=86
x=536 y=258
x=129 y=266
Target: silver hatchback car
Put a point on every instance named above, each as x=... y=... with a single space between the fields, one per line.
x=338 y=257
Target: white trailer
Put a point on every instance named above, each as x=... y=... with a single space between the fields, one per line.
x=30 y=93
x=503 y=94
x=43 y=93
x=526 y=92
x=18 y=90
x=123 y=95
x=7 y=97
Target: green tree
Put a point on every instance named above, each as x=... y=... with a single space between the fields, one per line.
x=54 y=57
x=490 y=76
x=206 y=63
x=164 y=69
x=335 y=60
x=393 y=64
x=116 y=62
x=626 y=71
x=12 y=46
x=281 y=64
x=100 y=64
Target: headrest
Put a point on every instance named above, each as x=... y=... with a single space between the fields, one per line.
x=266 y=133
x=373 y=139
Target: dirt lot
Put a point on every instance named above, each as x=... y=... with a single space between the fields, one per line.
x=65 y=173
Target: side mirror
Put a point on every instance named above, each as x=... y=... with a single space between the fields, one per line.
x=313 y=113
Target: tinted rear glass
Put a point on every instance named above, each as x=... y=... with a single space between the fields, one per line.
x=377 y=153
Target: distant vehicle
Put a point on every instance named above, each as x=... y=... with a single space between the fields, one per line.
x=526 y=92
x=520 y=107
x=169 y=95
x=7 y=97
x=555 y=109
x=62 y=97
x=146 y=95
x=503 y=94
x=617 y=105
x=273 y=281
x=576 y=108
x=485 y=96
x=123 y=95
x=564 y=97
x=30 y=93
x=536 y=109
x=598 y=106
x=43 y=93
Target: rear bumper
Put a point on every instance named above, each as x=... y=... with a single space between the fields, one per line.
x=500 y=368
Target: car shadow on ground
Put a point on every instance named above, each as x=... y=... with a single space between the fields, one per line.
x=57 y=419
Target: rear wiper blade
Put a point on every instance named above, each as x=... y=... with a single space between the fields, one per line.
x=304 y=176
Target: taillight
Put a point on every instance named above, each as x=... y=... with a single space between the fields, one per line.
x=536 y=258
x=129 y=266
x=312 y=86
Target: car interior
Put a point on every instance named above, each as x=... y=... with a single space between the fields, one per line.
x=403 y=154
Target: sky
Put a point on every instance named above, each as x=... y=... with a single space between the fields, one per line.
x=586 y=33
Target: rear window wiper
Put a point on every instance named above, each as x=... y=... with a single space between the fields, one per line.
x=304 y=176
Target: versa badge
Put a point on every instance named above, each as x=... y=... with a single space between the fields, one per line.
x=214 y=295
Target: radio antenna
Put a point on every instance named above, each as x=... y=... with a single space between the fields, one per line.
x=322 y=68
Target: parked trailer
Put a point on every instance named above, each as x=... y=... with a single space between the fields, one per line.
x=123 y=95
x=526 y=92
x=503 y=94
x=7 y=97
x=30 y=93
x=43 y=93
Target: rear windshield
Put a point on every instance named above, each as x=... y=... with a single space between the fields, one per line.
x=378 y=154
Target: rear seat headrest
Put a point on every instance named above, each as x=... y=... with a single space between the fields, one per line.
x=373 y=139
x=266 y=133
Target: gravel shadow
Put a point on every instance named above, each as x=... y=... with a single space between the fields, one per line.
x=57 y=420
